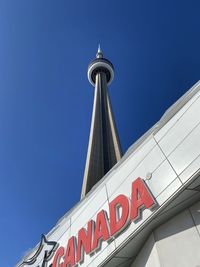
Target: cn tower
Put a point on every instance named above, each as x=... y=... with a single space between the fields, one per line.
x=104 y=149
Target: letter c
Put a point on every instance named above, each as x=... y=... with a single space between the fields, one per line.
x=59 y=254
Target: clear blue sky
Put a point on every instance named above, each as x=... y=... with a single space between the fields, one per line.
x=46 y=99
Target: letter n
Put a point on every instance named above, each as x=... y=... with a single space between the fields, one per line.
x=84 y=241
x=101 y=232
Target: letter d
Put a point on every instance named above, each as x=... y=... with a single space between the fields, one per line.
x=118 y=221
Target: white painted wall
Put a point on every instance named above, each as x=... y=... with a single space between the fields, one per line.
x=171 y=153
x=175 y=243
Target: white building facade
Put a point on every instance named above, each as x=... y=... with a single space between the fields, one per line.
x=145 y=212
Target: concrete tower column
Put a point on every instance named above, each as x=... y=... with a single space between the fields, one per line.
x=104 y=148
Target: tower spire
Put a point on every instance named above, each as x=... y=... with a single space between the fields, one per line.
x=99 y=52
x=104 y=148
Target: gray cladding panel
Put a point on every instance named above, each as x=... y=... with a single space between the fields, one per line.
x=148 y=256
x=178 y=242
x=175 y=243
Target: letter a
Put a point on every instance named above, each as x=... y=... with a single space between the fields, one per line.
x=140 y=197
x=70 y=253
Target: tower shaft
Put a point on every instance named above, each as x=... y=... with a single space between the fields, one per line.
x=104 y=148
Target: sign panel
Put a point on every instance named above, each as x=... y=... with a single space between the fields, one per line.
x=122 y=211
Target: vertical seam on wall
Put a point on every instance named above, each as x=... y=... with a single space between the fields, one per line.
x=167 y=159
x=155 y=242
x=194 y=222
x=179 y=117
x=187 y=135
